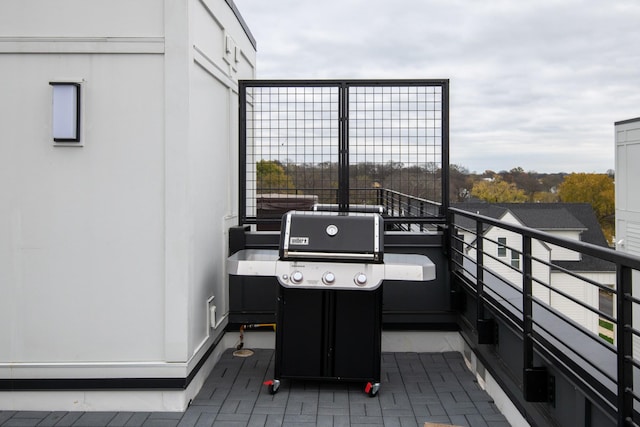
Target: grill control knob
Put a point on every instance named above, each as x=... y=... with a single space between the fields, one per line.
x=296 y=277
x=360 y=279
x=329 y=278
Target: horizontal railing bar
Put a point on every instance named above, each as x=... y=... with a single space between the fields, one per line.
x=575 y=245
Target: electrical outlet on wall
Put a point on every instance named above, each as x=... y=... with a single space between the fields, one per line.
x=211 y=313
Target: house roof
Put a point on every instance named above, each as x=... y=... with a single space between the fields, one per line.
x=550 y=217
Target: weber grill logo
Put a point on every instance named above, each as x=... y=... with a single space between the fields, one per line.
x=299 y=241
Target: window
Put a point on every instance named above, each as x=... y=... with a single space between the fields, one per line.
x=66 y=112
x=502 y=246
x=515 y=259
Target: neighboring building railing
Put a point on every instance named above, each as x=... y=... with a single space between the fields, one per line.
x=552 y=310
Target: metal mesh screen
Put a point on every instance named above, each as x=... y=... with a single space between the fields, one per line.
x=395 y=145
x=342 y=144
x=291 y=148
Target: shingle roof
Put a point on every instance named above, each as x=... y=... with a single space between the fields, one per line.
x=549 y=217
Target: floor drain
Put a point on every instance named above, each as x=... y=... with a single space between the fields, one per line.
x=243 y=353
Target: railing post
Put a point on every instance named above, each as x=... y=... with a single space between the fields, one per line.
x=527 y=304
x=535 y=379
x=624 y=343
x=486 y=328
x=343 y=148
x=479 y=270
x=393 y=206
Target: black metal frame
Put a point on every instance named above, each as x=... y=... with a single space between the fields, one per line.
x=415 y=215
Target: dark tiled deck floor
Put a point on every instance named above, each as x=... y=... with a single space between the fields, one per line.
x=416 y=388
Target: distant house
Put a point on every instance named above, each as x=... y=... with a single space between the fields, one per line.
x=562 y=269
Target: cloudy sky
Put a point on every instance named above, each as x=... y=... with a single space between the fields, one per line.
x=535 y=84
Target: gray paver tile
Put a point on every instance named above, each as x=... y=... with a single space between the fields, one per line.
x=416 y=387
x=120 y=420
x=233 y=417
x=436 y=409
x=333 y=420
x=95 y=419
x=465 y=408
x=69 y=419
x=476 y=421
x=367 y=421
x=137 y=419
x=52 y=419
x=205 y=419
x=268 y=410
x=159 y=422
x=327 y=410
x=274 y=420
x=434 y=419
x=459 y=420
x=390 y=421
x=166 y=415
x=31 y=414
x=21 y=422
x=229 y=424
x=257 y=420
x=5 y=415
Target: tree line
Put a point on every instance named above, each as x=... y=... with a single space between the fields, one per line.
x=518 y=186
x=424 y=181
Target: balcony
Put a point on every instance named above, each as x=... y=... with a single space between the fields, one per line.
x=505 y=304
x=532 y=321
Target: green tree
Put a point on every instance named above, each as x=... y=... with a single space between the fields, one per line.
x=498 y=191
x=272 y=177
x=596 y=189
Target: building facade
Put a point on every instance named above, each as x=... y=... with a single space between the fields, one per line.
x=627 y=145
x=118 y=146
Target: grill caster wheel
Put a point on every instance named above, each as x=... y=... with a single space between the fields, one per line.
x=273 y=386
x=372 y=389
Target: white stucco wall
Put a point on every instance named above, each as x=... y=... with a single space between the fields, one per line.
x=83 y=225
x=627 y=158
x=627 y=140
x=109 y=251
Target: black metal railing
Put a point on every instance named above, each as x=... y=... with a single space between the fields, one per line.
x=554 y=309
x=402 y=212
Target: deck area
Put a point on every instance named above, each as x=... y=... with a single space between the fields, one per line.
x=416 y=388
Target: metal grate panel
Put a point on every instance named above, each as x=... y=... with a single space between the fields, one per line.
x=344 y=145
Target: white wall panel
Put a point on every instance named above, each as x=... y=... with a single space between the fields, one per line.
x=86 y=222
x=81 y=18
x=209 y=170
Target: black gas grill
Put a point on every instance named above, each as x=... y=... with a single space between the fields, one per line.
x=330 y=267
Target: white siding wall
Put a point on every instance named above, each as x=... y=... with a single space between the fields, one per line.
x=110 y=251
x=514 y=241
x=627 y=140
x=563 y=254
x=583 y=291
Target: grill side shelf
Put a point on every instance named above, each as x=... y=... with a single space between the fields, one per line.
x=253 y=262
x=264 y=262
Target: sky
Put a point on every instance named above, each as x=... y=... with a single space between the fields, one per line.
x=533 y=84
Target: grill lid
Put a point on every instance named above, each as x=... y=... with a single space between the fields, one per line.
x=332 y=236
